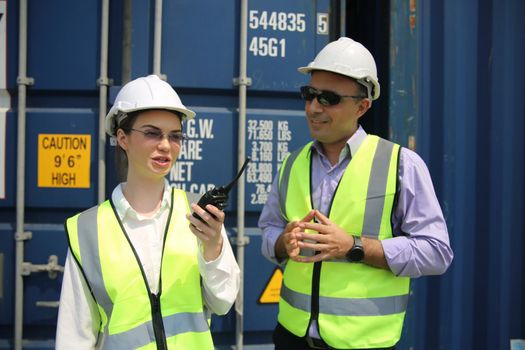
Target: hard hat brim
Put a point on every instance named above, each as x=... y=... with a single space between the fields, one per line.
x=187 y=114
x=305 y=70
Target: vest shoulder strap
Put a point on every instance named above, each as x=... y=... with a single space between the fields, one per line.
x=284 y=174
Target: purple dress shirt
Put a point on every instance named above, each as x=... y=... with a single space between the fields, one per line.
x=420 y=245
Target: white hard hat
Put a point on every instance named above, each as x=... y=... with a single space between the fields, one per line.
x=141 y=94
x=347 y=57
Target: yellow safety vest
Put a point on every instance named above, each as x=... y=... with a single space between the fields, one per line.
x=131 y=316
x=356 y=305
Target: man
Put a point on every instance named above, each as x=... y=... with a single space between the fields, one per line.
x=352 y=216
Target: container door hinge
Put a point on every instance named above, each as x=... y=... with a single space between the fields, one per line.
x=104 y=81
x=244 y=241
x=162 y=77
x=51 y=267
x=23 y=236
x=25 y=81
x=242 y=81
x=52 y=304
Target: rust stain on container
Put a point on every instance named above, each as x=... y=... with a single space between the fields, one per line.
x=412 y=5
x=412 y=142
x=412 y=16
x=412 y=20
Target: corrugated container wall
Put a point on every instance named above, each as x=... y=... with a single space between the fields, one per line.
x=457 y=96
x=454 y=91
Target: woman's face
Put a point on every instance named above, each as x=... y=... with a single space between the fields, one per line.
x=152 y=145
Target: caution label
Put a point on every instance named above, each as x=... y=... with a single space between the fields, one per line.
x=64 y=160
x=272 y=291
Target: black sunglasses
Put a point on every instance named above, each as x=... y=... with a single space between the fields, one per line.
x=324 y=97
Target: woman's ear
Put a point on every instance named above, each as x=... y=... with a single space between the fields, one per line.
x=122 y=139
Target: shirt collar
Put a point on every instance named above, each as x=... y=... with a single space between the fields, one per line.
x=124 y=209
x=352 y=145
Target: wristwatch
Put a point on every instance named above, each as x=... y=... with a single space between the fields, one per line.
x=356 y=253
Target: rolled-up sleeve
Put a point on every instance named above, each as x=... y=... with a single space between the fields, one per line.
x=421 y=244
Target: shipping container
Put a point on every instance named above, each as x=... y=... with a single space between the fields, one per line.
x=451 y=75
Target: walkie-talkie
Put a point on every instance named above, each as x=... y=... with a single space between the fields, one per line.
x=218 y=196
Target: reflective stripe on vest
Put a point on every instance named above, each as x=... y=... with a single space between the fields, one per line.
x=115 y=276
x=358 y=306
x=348 y=306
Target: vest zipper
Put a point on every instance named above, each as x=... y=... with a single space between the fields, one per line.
x=156 y=315
x=158 y=325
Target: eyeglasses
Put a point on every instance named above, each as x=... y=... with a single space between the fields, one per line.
x=324 y=97
x=157 y=135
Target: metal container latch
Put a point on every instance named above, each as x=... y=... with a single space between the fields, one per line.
x=51 y=267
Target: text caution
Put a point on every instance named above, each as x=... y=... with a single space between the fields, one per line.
x=64 y=160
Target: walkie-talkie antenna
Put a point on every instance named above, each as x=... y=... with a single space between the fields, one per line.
x=218 y=196
x=230 y=185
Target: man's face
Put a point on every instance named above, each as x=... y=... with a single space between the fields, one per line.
x=334 y=125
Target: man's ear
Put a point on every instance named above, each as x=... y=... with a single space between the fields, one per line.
x=122 y=139
x=364 y=105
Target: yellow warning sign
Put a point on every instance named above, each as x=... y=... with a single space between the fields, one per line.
x=272 y=291
x=64 y=160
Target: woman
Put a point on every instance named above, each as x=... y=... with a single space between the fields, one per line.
x=141 y=271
